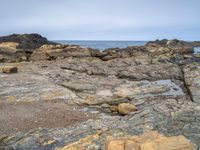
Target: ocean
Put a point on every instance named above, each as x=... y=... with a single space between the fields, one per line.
x=102 y=45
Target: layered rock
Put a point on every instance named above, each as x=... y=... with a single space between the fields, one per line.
x=118 y=93
x=9 y=52
x=192 y=81
x=171 y=47
x=43 y=49
x=16 y=47
x=48 y=52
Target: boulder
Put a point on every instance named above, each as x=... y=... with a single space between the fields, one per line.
x=126 y=108
x=9 y=69
x=148 y=141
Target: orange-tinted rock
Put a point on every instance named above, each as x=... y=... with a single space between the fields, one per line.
x=149 y=141
x=126 y=108
x=9 y=69
x=55 y=51
x=169 y=143
x=115 y=145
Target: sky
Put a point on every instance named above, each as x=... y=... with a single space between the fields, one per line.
x=102 y=19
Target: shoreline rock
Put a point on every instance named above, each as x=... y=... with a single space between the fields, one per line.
x=36 y=47
x=161 y=79
x=8 y=69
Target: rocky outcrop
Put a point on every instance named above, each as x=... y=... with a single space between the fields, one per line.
x=42 y=49
x=171 y=47
x=75 y=98
x=48 y=52
x=113 y=53
x=26 y=41
x=173 y=43
x=17 y=48
x=9 y=52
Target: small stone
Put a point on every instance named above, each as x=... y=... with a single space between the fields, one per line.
x=126 y=108
x=24 y=58
x=9 y=69
x=89 y=72
x=105 y=105
x=114 y=108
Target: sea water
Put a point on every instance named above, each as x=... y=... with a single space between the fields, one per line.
x=197 y=50
x=102 y=45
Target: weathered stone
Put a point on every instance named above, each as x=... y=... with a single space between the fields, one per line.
x=9 y=69
x=149 y=141
x=170 y=143
x=126 y=108
x=58 y=51
x=192 y=80
x=83 y=144
x=115 y=145
x=10 y=52
x=105 y=105
x=114 y=108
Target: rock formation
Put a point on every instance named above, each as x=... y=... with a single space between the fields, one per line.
x=148 y=141
x=68 y=97
x=26 y=41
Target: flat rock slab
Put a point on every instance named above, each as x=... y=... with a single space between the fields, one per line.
x=23 y=117
x=31 y=87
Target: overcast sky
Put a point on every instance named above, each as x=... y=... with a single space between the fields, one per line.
x=102 y=19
